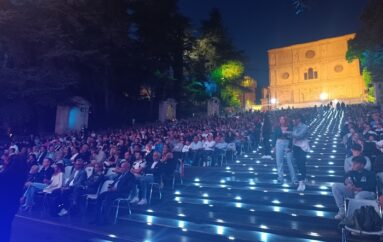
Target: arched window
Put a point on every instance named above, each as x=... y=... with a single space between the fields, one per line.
x=310 y=74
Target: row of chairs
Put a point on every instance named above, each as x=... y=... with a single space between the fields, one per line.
x=104 y=187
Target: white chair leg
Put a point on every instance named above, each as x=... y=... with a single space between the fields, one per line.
x=174 y=181
x=130 y=210
x=344 y=235
x=117 y=210
x=150 y=193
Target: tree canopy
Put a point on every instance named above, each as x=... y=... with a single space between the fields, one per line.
x=117 y=54
x=368 y=42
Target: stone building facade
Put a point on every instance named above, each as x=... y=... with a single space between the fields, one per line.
x=313 y=73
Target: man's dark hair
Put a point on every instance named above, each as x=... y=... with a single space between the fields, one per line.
x=359 y=159
x=356 y=147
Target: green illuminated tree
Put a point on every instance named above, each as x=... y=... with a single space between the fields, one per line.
x=368 y=42
x=214 y=57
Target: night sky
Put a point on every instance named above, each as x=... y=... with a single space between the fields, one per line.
x=259 y=25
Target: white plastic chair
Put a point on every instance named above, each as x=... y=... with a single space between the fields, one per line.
x=354 y=204
x=110 y=173
x=103 y=188
x=89 y=171
x=68 y=171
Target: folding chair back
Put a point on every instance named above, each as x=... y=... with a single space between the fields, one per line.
x=355 y=204
x=110 y=172
x=352 y=206
x=89 y=171
x=68 y=170
x=105 y=186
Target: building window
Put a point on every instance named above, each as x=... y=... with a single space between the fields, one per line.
x=310 y=74
x=338 y=68
x=310 y=54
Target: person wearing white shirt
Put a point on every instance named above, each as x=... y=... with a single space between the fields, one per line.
x=219 y=149
x=152 y=173
x=195 y=150
x=208 y=148
x=56 y=182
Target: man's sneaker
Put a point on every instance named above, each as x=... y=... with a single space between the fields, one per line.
x=135 y=200
x=340 y=215
x=142 y=202
x=63 y=212
x=301 y=186
x=280 y=180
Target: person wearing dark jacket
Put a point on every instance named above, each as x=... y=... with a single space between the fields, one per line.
x=359 y=183
x=66 y=196
x=121 y=187
x=94 y=181
x=152 y=173
x=12 y=180
x=266 y=133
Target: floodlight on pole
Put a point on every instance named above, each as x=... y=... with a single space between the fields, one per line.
x=273 y=100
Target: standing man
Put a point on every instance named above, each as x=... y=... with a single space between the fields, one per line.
x=300 y=149
x=266 y=133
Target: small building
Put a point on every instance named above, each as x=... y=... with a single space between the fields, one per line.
x=72 y=115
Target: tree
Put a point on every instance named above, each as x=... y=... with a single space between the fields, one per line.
x=161 y=35
x=54 y=49
x=367 y=46
x=368 y=42
x=214 y=60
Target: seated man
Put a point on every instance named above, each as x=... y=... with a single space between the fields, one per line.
x=208 y=149
x=38 y=182
x=93 y=182
x=195 y=148
x=359 y=183
x=66 y=195
x=152 y=173
x=120 y=188
x=219 y=149
x=356 y=150
x=137 y=170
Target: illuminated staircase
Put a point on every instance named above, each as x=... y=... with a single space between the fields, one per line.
x=244 y=202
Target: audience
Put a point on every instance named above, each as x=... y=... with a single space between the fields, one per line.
x=136 y=157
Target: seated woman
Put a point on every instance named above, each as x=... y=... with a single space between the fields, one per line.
x=55 y=183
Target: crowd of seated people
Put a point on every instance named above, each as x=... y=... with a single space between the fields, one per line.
x=363 y=139
x=153 y=153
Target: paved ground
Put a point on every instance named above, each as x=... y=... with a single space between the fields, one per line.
x=34 y=227
x=35 y=230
